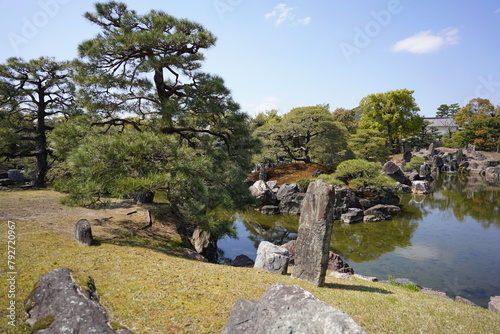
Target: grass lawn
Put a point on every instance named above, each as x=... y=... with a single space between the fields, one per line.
x=149 y=286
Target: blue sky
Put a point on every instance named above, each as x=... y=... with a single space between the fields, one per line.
x=286 y=54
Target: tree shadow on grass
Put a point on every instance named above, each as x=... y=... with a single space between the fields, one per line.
x=361 y=288
x=160 y=237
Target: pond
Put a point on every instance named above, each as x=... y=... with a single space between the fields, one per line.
x=448 y=240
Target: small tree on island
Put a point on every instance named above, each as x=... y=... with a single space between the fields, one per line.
x=307 y=134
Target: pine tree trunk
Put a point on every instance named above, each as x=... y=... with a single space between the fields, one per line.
x=41 y=150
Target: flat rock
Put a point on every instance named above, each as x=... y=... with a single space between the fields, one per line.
x=354 y=215
x=382 y=210
x=67 y=307
x=436 y=293
x=366 y=278
x=463 y=300
x=494 y=304
x=338 y=275
x=285 y=309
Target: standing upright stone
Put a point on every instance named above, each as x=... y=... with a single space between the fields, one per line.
x=315 y=232
x=264 y=174
x=432 y=149
x=459 y=156
x=407 y=156
x=83 y=232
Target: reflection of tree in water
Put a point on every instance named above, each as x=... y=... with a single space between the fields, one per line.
x=277 y=229
x=465 y=196
x=369 y=241
x=469 y=196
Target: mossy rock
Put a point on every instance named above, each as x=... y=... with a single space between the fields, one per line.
x=43 y=323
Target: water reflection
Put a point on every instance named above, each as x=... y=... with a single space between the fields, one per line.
x=278 y=229
x=446 y=240
x=369 y=241
x=464 y=196
x=468 y=196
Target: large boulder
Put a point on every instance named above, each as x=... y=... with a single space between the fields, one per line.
x=263 y=193
x=270 y=210
x=403 y=188
x=354 y=215
x=287 y=189
x=288 y=309
x=336 y=263
x=290 y=247
x=204 y=243
x=425 y=172
x=437 y=162
x=345 y=199
x=314 y=235
x=421 y=187
x=272 y=258
x=492 y=173
x=393 y=170
x=16 y=176
x=376 y=198
x=242 y=261
x=383 y=211
x=273 y=185
x=292 y=203
x=6 y=182
x=83 y=232
x=494 y=304
x=59 y=304
x=414 y=176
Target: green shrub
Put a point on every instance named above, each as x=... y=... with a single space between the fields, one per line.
x=415 y=164
x=362 y=173
x=331 y=179
x=304 y=183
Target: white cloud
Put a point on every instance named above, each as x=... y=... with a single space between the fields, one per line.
x=269 y=103
x=427 y=41
x=283 y=13
x=497 y=11
x=305 y=21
